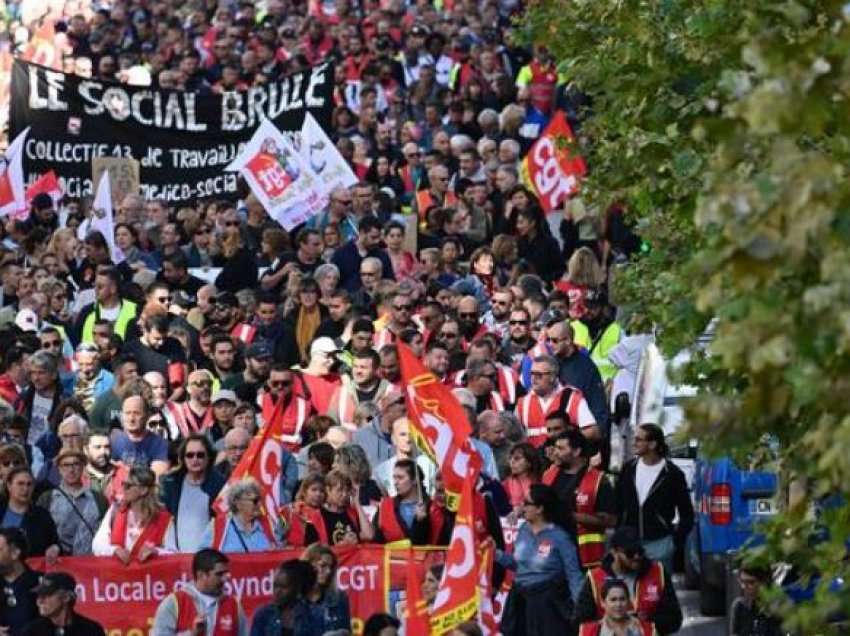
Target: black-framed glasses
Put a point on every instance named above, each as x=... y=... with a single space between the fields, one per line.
x=518 y=322
x=472 y=315
x=196 y=455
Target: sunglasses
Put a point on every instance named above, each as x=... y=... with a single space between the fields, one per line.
x=280 y=383
x=198 y=455
x=518 y=322
x=402 y=307
x=471 y=315
x=448 y=335
x=231 y=224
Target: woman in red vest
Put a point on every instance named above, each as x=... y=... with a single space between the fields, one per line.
x=135 y=528
x=297 y=518
x=342 y=519
x=618 y=620
x=404 y=516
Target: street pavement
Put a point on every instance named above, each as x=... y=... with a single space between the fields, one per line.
x=694 y=623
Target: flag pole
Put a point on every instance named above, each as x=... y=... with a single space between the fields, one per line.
x=415 y=454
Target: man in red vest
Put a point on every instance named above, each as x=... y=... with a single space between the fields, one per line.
x=202 y=607
x=651 y=586
x=587 y=498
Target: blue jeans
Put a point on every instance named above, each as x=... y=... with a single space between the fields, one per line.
x=661 y=550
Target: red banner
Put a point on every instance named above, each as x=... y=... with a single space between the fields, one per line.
x=548 y=169
x=104 y=584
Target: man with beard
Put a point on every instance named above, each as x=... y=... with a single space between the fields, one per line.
x=258 y=360
x=496 y=320
x=223 y=359
x=605 y=332
x=156 y=351
x=390 y=367
x=519 y=340
x=401 y=306
x=469 y=319
x=99 y=467
x=339 y=315
x=269 y=323
x=195 y=414
x=159 y=388
x=437 y=361
x=578 y=370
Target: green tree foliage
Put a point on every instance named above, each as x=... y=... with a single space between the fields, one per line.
x=724 y=126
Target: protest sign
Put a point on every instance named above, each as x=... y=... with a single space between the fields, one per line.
x=123 y=175
x=182 y=140
x=280 y=178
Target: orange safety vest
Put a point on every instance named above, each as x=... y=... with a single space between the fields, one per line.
x=220 y=529
x=532 y=411
x=648 y=592
x=424 y=200
x=187 y=420
x=388 y=522
x=292 y=419
x=152 y=534
x=244 y=333
x=226 y=615
x=595 y=628
x=591 y=542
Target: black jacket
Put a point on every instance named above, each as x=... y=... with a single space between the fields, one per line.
x=543 y=253
x=668 y=614
x=38 y=527
x=654 y=520
x=80 y=626
x=171 y=486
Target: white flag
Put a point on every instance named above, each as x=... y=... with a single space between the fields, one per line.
x=321 y=155
x=102 y=219
x=12 y=190
x=281 y=180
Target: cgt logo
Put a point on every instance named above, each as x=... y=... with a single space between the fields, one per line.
x=358 y=578
x=549 y=178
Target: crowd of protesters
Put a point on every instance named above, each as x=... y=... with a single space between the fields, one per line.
x=130 y=391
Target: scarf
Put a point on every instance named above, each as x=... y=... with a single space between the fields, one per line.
x=305 y=328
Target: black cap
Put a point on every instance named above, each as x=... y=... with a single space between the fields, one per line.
x=259 y=350
x=626 y=539
x=549 y=317
x=55 y=582
x=226 y=298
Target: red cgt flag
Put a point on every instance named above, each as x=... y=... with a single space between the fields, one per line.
x=440 y=425
x=263 y=461
x=458 y=595
x=416 y=620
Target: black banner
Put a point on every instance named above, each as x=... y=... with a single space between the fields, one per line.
x=182 y=140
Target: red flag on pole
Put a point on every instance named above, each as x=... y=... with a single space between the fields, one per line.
x=458 y=596
x=440 y=425
x=45 y=184
x=416 y=620
x=263 y=461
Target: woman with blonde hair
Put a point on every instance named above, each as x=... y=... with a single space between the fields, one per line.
x=237 y=262
x=137 y=527
x=584 y=273
x=246 y=527
x=64 y=245
x=331 y=603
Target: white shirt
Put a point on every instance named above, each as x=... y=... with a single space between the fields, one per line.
x=645 y=477
x=193 y=516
